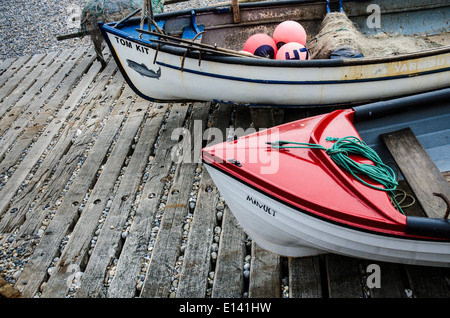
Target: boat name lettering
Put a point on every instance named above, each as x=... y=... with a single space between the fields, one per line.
x=129 y=44
x=261 y=206
x=420 y=65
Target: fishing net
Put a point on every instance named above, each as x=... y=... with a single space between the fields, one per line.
x=112 y=10
x=337 y=32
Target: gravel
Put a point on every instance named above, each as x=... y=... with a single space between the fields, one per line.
x=31 y=26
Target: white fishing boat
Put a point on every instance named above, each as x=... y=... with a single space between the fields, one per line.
x=193 y=55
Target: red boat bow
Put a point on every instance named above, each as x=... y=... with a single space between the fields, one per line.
x=308 y=179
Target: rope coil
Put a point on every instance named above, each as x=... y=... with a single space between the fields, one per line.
x=339 y=153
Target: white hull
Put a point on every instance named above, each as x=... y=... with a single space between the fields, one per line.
x=268 y=84
x=286 y=231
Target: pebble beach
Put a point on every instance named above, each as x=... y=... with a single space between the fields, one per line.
x=31 y=27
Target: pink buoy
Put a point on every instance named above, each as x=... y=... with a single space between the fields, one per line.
x=261 y=45
x=293 y=51
x=289 y=31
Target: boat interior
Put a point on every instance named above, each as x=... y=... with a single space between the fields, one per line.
x=228 y=26
x=414 y=140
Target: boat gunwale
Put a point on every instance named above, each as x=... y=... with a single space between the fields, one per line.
x=167 y=48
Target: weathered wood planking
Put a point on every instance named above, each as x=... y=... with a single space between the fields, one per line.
x=8 y=291
x=97 y=265
x=26 y=77
x=83 y=154
x=16 y=72
x=30 y=109
x=193 y=282
x=40 y=122
x=54 y=181
x=167 y=247
x=228 y=277
x=305 y=280
x=109 y=242
x=344 y=279
x=428 y=282
x=67 y=212
x=35 y=97
x=77 y=248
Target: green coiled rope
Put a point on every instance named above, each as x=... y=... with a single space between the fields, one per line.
x=339 y=153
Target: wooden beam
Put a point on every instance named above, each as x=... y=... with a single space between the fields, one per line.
x=7 y=290
x=419 y=170
x=236 y=12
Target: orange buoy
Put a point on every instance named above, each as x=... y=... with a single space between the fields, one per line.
x=261 y=44
x=293 y=51
x=289 y=31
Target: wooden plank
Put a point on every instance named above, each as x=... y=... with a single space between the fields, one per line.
x=26 y=77
x=83 y=62
x=305 y=279
x=75 y=141
x=79 y=143
x=236 y=12
x=229 y=278
x=428 y=282
x=447 y=176
x=7 y=290
x=265 y=117
x=77 y=248
x=193 y=282
x=30 y=104
x=29 y=99
x=36 y=269
x=197 y=259
x=409 y=205
x=167 y=247
x=6 y=64
x=13 y=69
x=265 y=274
x=134 y=248
x=51 y=111
x=108 y=243
x=344 y=279
x=419 y=170
x=393 y=281
x=21 y=204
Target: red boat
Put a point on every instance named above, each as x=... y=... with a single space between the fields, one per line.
x=298 y=201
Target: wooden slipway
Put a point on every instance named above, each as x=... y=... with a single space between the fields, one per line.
x=91 y=183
